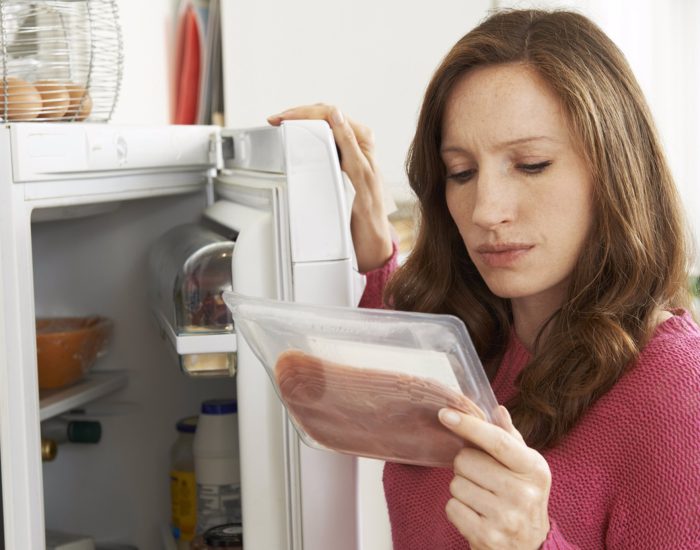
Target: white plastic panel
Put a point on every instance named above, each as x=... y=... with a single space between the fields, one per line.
x=317 y=207
x=260 y=149
x=66 y=193
x=19 y=397
x=324 y=283
x=197 y=343
x=60 y=151
x=328 y=480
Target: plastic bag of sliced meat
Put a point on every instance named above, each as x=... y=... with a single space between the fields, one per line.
x=367 y=382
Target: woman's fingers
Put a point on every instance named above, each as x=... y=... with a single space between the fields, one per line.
x=365 y=139
x=482 y=469
x=506 y=422
x=479 y=499
x=302 y=112
x=465 y=519
x=501 y=486
x=502 y=445
x=369 y=225
x=354 y=140
x=354 y=158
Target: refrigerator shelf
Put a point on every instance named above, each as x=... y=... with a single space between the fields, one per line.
x=94 y=386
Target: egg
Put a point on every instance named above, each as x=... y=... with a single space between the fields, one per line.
x=80 y=102
x=55 y=99
x=19 y=100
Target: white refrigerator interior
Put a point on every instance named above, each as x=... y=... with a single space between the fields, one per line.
x=81 y=206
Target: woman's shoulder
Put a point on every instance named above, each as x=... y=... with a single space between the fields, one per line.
x=652 y=421
x=666 y=375
x=677 y=340
x=651 y=416
x=677 y=321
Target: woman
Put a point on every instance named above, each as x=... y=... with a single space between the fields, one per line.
x=550 y=224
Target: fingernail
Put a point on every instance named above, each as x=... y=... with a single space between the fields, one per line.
x=271 y=117
x=337 y=116
x=449 y=417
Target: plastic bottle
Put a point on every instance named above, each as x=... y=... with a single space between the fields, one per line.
x=57 y=431
x=71 y=431
x=216 y=465
x=183 y=488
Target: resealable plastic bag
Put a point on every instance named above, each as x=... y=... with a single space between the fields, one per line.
x=367 y=382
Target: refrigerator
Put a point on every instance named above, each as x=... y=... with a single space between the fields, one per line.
x=82 y=209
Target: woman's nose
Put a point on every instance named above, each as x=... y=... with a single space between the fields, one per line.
x=494 y=200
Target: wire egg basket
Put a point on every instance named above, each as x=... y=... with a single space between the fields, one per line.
x=61 y=60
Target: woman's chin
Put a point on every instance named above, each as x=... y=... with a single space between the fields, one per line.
x=511 y=290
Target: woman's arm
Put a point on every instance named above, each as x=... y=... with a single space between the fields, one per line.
x=376 y=282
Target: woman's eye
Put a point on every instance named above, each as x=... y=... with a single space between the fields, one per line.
x=534 y=168
x=463 y=176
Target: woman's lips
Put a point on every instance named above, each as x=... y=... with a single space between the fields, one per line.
x=503 y=255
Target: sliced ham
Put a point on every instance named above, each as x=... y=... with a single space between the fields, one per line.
x=369 y=412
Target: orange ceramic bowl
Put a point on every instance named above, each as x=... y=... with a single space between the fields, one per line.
x=68 y=346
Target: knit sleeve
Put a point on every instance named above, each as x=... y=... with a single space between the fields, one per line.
x=555 y=539
x=376 y=281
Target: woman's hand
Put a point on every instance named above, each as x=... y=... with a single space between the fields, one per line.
x=369 y=223
x=500 y=489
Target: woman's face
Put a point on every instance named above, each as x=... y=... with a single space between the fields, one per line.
x=517 y=188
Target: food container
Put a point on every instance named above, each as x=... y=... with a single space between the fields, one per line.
x=68 y=346
x=190 y=266
x=367 y=382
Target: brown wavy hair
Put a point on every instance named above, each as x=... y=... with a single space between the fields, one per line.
x=635 y=259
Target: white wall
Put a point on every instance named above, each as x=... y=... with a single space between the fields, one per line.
x=147 y=29
x=372 y=58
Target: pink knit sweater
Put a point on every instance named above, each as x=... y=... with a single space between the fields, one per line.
x=626 y=477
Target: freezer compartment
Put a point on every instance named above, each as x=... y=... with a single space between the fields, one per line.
x=189 y=268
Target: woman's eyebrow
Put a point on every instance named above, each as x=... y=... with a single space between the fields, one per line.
x=503 y=145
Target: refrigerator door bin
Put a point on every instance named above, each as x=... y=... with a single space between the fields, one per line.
x=190 y=266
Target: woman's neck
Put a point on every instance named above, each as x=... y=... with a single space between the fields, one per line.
x=530 y=315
